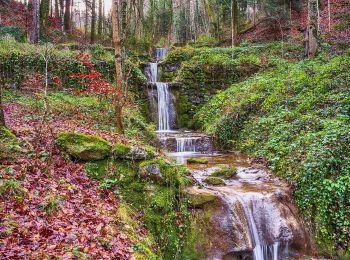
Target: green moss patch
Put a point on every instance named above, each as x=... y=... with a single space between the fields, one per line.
x=84 y=147
x=215 y=181
x=5 y=133
x=226 y=172
x=121 y=150
x=198 y=160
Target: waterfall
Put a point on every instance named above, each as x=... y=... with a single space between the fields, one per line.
x=261 y=251
x=161 y=53
x=164 y=100
x=185 y=145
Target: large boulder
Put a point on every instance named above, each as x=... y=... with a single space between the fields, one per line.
x=84 y=147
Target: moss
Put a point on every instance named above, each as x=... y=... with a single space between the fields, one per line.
x=198 y=160
x=214 y=181
x=148 y=248
x=226 y=172
x=84 y=147
x=97 y=169
x=163 y=197
x=198 y=197
x=6 y=133
x=121 y=150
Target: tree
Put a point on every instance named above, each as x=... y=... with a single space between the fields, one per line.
x=93 y=22
x=67 y=17
x=57 y=11
x=234 y=22
x=35 y=33
x=311 y=31
x=119 y=93
x=100 y=18
x=2 y=115
x=44 y=17
x=62 y=14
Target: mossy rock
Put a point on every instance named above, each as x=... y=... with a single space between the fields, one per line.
x=226 y=172
x=215 y=181
x=121 y=150
x=198 y=160
x=5 y=133
x=198 y=197
x=84 y=147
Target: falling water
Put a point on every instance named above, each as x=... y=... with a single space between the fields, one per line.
x=261 y=251
x=185 y=145
x=164 y=100
x=164 y=96
x=161 y=53
x=152 y=72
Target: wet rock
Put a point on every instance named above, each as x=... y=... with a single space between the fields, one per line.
x=198 y=197
x=214 y=181
x=84 y=147
x=225 y=172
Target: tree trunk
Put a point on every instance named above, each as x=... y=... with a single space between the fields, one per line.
x=2 y=115
x=100 y=18
x=311 y=44
x=57 y=11
x=35 y=34
x=86 y=18
x=118 y=95
x=62 y=14
x=234 y=22
x=93 y=22
x=44 y=16
x=188 y=20
x=67 y=21
x=329 y=16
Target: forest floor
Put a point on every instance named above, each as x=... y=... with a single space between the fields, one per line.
x=49 y=207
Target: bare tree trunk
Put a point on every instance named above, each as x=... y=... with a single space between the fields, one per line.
x=93 y=22
x=2 y=115
x=119 y=95
x=67 y=20
x=57 y=11
x=100 y=18
x=234 y=22
x=329 y=16
x=35 y=34
x=86 y=17
x=311 y=34
x=62 y=14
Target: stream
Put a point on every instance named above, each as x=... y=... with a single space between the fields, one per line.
x=256 y=218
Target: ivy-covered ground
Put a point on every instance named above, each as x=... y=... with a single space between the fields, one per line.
x=296 y=117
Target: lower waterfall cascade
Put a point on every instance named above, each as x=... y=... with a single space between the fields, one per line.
x=270 y=229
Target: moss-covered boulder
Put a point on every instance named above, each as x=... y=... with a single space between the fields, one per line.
x=198 y=160
x=5 y=133
x=215 y=181
x=198 y=197
x=84 y=147
x=225 y=172
x=122 y=151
